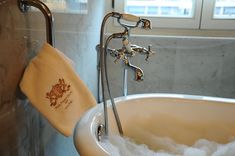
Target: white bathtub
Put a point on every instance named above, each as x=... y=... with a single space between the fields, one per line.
x=184 y=118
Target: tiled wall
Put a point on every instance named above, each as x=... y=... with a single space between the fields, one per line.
x=23 y=131
x=182 y=65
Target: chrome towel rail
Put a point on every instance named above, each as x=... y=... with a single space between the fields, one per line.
x=24 y=6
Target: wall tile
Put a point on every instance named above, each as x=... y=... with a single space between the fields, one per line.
x=200 y=66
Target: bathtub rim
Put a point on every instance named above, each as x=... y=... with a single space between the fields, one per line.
x=178 y=96
x=92 y=113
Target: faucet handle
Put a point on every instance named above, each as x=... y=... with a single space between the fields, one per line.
x=149 y=52
x=120 y=55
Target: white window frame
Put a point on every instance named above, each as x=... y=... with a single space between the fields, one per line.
x=208 y=22
x=203 y=18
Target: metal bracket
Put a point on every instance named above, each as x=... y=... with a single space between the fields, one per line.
x=100 y=132
x=23 y=5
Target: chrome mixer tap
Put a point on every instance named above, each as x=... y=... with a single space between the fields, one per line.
x=124 y=54
x=128 y=51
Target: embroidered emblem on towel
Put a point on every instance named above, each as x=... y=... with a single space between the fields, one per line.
x=57 y=92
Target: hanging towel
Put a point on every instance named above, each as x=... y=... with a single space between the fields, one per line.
x=53 y=87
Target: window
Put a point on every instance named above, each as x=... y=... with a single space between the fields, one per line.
x=163 y=13
x=67 y=6
x=162 y=8
x=218 y=14
x=224 y=9
x=193 y=14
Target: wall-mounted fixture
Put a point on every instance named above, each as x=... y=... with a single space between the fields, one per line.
x=24 y=7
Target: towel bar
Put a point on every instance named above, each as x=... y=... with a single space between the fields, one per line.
x=24 y=6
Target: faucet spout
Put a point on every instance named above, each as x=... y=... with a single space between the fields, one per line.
x=139 y=74
x=146 y=24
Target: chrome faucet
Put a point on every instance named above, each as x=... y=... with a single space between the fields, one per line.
x=129 y=50
x=120 y=55
x=139 y=74
x=125 y=53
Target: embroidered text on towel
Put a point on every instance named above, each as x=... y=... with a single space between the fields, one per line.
x=58 y=91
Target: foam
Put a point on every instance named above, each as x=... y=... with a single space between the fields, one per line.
x=126 y=147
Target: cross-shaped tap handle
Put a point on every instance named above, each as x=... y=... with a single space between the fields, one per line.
x=149 y=52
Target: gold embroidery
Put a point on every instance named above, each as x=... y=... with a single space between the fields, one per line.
x=57 y=91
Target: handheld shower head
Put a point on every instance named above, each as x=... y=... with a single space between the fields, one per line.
x=132 y=21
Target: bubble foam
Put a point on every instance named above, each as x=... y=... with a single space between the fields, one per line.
x=123 y=146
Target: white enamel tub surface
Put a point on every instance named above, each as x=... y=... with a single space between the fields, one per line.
x=184 y=118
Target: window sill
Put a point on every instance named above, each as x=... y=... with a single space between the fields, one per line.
x=175 y=32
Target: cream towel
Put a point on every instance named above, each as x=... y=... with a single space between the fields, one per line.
x=53 y=87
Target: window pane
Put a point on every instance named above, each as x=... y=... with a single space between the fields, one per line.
x=67 y=6
x=224 y=9
x=161 y=8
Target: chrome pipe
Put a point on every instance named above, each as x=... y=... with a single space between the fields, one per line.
x=24 y=7
x=103 y=73
x=125 y=84
x=115 y=112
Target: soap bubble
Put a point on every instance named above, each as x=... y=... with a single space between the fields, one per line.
x=123 y=146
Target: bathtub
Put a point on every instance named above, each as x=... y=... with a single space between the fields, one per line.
x=184 y=118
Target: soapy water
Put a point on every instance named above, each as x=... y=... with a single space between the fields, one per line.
x=126 y=147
